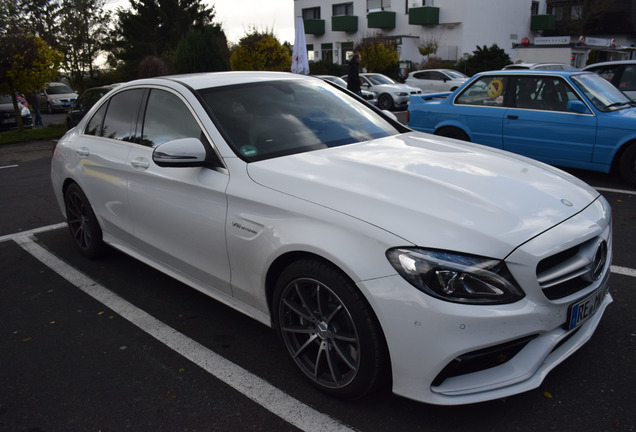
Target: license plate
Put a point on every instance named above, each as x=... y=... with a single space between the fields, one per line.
x=581 y=311
x=7 y=121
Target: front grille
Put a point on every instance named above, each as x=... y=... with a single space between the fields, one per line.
x=573 y=270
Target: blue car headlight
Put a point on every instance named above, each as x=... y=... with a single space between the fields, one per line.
x=456 y=277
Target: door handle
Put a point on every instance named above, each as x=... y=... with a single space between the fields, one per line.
x=140 y=163
x=83 y=152
x=513 y=117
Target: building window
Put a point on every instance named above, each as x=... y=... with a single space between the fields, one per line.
x=556 y=11
x=311 y=13
x=534 y=9
x=376 y=5
x=343 y=9
x=576 y=12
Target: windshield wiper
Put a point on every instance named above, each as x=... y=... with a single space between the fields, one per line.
x=616 y=104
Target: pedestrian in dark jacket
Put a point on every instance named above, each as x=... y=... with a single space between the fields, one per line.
x=353 y=79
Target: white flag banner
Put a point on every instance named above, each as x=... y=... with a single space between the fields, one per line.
x=300 y=62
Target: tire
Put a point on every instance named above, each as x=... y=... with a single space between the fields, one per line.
x=627 y=165
x=82 y=223
x=385 y=102
x=452 y=132
x=328 y=329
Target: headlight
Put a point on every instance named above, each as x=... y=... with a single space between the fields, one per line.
x=401 y=94
x=456 y=278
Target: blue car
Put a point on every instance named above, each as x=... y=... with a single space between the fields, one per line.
x=564 y=118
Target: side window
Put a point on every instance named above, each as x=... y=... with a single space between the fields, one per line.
x=121 y=116
x=94 y=126
x=423 y=75
x=437 y=76
x=167 y=118
x=486 y=91
x=607 y=73
x=553 y=94
x=526 y=95
x=628 y=80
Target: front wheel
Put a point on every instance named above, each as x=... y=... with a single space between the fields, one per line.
x=385 y=102
x=82 y=223
x=328 y=329
x=627 y=165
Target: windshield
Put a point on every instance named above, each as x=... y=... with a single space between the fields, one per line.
x=277 y=118
x=59 y=89
x=455 y=74
x=601 y=93
x=378 y=79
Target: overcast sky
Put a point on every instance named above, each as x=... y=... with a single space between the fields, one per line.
x=237 y=17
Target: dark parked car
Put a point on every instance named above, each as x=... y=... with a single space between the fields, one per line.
x=7 y=114
x=85 y=102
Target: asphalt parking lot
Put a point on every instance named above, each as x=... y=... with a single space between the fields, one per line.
x=113 y=345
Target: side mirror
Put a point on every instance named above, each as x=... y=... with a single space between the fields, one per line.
x=184 y=152
x=578 y=107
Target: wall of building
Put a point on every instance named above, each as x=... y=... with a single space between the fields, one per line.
x=463 y=25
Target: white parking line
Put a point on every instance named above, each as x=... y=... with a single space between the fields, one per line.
x=9 y=166
x=273 y=399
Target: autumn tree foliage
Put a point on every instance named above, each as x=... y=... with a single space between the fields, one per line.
x=27 y=63
x=260 y=51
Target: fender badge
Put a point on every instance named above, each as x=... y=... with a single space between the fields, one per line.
x=567 y=203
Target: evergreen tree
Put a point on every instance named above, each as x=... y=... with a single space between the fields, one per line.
x=203 y=51
x=154 y=28
x=484 y=59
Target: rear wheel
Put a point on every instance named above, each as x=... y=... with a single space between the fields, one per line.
x=328 y=329
x=452 y=132
x=82 y=223
x=627 y=165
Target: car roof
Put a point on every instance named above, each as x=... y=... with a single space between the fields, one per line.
x=513 y=72
x=199 y=81
x=540 y=65
x=610 y=63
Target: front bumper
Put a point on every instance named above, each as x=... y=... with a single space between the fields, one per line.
x=427 y=337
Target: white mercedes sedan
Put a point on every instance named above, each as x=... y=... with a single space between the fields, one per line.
x=455 y=272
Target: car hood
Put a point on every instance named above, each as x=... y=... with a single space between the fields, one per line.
x=433 y=192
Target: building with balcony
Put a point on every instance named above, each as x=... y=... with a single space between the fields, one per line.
x=528 y=30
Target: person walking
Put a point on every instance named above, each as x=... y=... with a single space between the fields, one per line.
x=34 y=102
x=353 y=79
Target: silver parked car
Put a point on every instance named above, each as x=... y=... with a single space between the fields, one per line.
x=391 y=94
x=436 y=80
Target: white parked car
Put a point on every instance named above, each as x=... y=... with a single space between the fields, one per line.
x=436 y=80
x=621 y=73
x=463 y=273
x=366 y=95
x=391 y=94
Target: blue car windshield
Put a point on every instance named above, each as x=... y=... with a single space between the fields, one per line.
x=601 y=92
x=271 y=119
